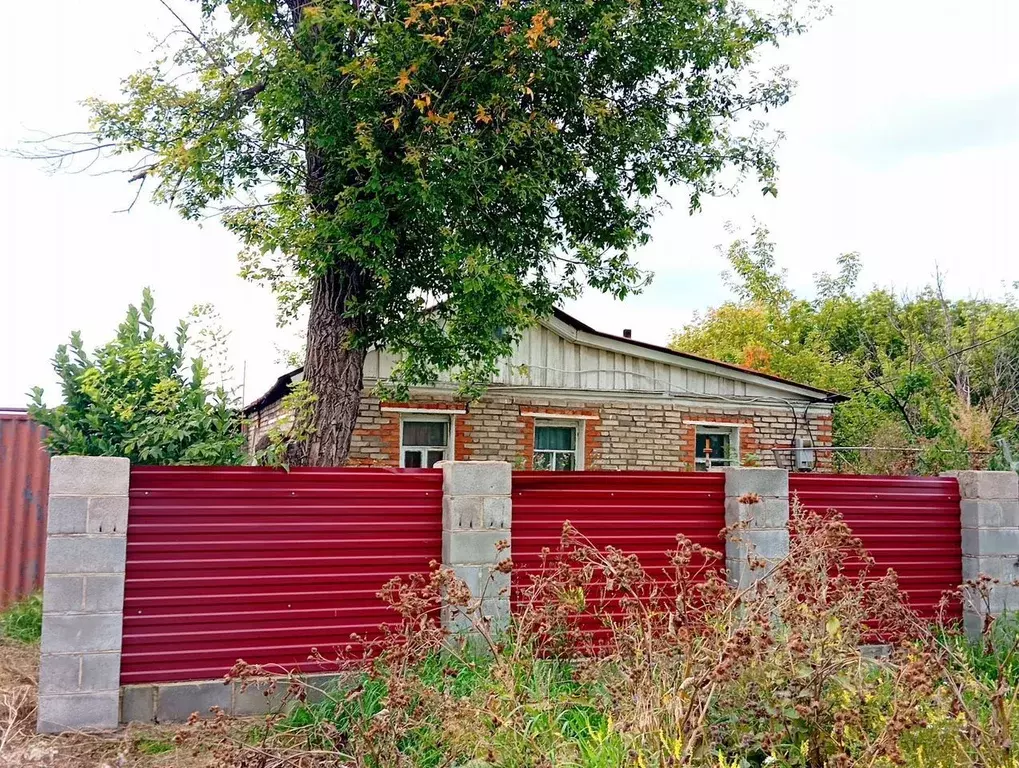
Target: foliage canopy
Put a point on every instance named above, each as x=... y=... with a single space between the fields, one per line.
x=924 y=372
x=431 y=176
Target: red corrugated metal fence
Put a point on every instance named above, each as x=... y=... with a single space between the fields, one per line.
x=909 y=524
x=24 y=488
x=264 y=565
x=637 y=512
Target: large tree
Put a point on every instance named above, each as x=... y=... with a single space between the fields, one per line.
x=433 y=175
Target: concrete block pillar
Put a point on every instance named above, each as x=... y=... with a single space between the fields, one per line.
x=990 y=543
x=83 y=594
x=477 y=514
x=759 y=498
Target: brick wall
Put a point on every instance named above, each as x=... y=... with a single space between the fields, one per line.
x=624 y=434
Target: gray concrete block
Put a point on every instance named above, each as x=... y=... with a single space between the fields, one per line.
x=61 y=594
x=476 y=478
x=482 y=580
x=979 y=542
x=176 y=702
x=876 y=651
x=464 y=513
x=67 y=514
x=993 y=513
x=498 y=512
x=79 y=711
x=258 y=699
x=1004 y=599
x=104 y=594
x=988 y=485
x=89 y=476
x=493 y=611
x=59 y=674
x=138 y=704
x=107 y=514
x=81 y=633
x=973 y=625
x=100 y=672
x=324 y=687
x=86 y=554
x=767 y=513
x=472 y=547
x=764 y=481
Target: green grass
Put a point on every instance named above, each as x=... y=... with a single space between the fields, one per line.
x=22 y=621
x=153 y=746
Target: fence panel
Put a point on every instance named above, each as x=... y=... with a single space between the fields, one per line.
x=909 y=524
x=638 y=512
x=264 y=565
x=24 y=491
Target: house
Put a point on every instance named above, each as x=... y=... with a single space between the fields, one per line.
x=574 y=398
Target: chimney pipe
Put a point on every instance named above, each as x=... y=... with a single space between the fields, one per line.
x=627 y=333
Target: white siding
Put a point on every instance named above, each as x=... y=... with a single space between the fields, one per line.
x=555 y=356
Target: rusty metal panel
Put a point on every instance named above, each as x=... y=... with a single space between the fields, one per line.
x=640 y=513
x=24 y=491
x=265 y=565
x=911 y=525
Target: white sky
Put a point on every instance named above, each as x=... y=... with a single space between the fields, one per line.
x=902 y=142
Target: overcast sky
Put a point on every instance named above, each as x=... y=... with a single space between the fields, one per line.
x=902 y=142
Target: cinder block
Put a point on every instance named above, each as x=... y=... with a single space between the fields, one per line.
x=875 y=651
x=498 y=512
x=59 y=674
x=993 y=513
x=138 y=704
x=78 y=711
x=472 y=547
x=256 y=699
x=104 y=594
x=175 y=702
x=476 y=478
x=107 y=514
x=100 y=672
x=86 y=554
x=62 y=594
x=769 y=512
x=1004 y=599
x=324 y=687
x=482 y=580
x=764 y=481
x=988 y=485
x=89 y=476
x=973 y=624
x=980 y=542
x=463 y=513
x=493 y=611
x=67 y=514
x=81 y=633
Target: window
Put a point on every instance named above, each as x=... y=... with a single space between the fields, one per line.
x=425 y=442
x=716 y=447
x=555 y=448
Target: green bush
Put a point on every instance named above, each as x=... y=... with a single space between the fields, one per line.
x=23 y=620
x=139 y=396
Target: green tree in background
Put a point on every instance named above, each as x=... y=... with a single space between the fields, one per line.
x=139 y=397
x=936 y=377
x=431 y=177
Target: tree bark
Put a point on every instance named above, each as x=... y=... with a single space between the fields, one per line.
x=333 y=369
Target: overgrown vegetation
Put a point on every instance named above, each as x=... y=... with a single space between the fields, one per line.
x=608 y=664
x=934 y=382
x=140 y=396
x=22 y=621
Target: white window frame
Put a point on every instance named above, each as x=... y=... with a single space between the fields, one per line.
x=442 y=418
x=732 y=431
x=578 y=442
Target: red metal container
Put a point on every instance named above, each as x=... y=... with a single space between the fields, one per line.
x=24 y=491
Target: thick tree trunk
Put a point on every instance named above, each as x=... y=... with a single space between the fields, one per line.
x=333 y=370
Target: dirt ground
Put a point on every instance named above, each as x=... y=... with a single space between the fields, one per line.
x=130 y=747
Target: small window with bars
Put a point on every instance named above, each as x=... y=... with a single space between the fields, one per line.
x=425 y=442
x=555 y=448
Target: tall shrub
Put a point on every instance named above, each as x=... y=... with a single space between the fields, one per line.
x=139 y=396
